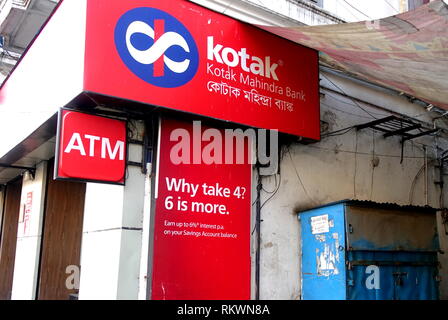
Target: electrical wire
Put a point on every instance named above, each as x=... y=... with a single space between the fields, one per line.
x=373 y=165
x=338 y=132
x=351 y=13
x=411 y=191
x=391 y=6
x=356 y=103
x=333 y=96
x=255 y=201
x=352 y=6
x=298 y=177
x=346 y=112
x=270 y=192
x=414 y=181
x=348 y=129
x=6 y=52
x=275 y=192
x=362 y=153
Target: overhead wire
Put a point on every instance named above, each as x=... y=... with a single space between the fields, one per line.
x=275 y=192
x=353 y=7
x=267 y=191
x=338 y=132
x=414 y=181
x=333 y=96
x=391 y=6
x=346 y=112
x=356 y=103
x=7 y=53
x=363 y=153
x=298 y=176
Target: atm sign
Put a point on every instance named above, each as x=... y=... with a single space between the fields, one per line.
x=90 y=148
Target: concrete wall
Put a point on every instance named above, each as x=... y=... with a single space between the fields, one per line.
x=356 y=165
x=28 y=96
x=359 y=165
x=112 y=242
x=29 y=236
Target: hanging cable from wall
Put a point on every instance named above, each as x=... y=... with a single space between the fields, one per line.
x=258 y=221
x=258 y=229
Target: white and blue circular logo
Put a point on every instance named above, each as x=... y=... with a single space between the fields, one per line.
x=156 y=47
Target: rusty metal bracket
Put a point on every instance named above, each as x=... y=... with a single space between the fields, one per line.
x=394 y=263
x=396 y=126
x=444 y=215
x=31 y=170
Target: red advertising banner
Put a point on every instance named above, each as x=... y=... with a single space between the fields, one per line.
x=90 y=148
x=179 y=55
x=202 y=220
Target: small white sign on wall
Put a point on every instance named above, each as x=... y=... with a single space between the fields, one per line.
x=320 y=224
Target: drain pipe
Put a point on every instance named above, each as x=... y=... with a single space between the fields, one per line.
x=258 y=230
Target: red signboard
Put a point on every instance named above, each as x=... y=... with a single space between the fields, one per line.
x=90 y=148
x=202 y=223
x=179 y=55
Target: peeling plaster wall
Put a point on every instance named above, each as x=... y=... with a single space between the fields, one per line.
x=28 y=249
x=356 y=165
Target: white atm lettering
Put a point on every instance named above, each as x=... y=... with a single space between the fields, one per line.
x=92 y=140
x=232 y=58
x=105 y=146
x=75 y=144
x=107 y=151
x=373 y=280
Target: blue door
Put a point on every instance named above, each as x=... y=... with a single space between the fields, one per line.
x=323 y=254
x=392 y=276
x=416 y=283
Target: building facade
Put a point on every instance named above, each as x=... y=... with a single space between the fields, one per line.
x=88 y=240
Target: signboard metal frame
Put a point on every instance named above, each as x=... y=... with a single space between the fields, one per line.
x=56 y=175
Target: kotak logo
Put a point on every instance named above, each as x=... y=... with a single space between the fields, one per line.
x=91 y=147
x=156 y=47
x=232 y=58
